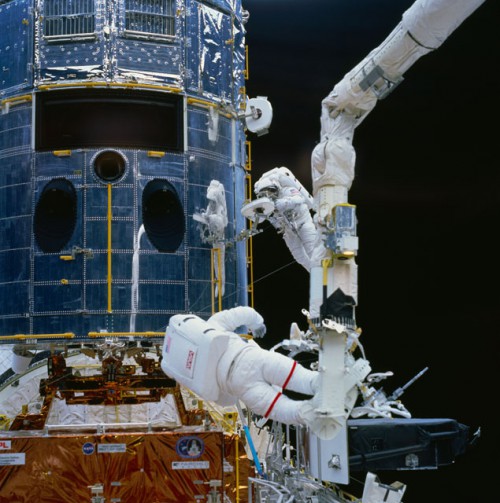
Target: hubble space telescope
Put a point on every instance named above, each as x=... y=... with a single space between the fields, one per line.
x=126 y=224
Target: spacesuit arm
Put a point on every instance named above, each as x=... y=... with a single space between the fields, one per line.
x=216 y=222
x=231 y=319
x=289 y=199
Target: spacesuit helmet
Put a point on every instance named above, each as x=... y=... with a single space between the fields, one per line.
x=215 y=191
x=266 y=188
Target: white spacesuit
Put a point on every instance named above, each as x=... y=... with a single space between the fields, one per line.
x=212 y=360
x=291 y=215
x=214 y=222
x=216 y=213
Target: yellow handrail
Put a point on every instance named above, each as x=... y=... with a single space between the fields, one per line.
x=110 y=218
x=208 y=104
x=16 y=100
x=172 y=89
x=246 y=71
x=249 y=243
x=61 y=153
x=125 y=334
x=237 y=467
x=197 y=101
x=215 y=255
x=67 y=335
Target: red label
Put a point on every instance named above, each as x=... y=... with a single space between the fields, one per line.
x=189 y=360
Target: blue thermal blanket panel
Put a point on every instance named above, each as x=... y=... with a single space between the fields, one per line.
x=84 y=248
x=16 y=46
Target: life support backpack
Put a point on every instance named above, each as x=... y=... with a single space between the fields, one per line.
x=191 y=350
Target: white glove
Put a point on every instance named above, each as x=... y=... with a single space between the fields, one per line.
x=259 y=331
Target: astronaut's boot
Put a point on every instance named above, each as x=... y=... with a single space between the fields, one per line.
x=321 y=422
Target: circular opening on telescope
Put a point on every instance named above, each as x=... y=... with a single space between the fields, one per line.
x=109 y=166
x=163 y=215
x=55 y=215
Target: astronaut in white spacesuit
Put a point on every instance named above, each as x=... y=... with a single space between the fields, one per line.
x=214 y=222
x=291 y=215
x=212 y=360
x=251 y=373
x=215 y=215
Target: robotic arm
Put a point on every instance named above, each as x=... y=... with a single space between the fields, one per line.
x=423 y=28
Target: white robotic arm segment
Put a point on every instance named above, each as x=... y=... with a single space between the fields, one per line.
x=333 y=164
x=424 y=27
x=375 y=76
x=431 y=22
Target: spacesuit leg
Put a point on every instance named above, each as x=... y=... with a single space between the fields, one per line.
x=286 y=373
x=296 y=246
x=266 y=401
x=307 y=232
x=257 y=377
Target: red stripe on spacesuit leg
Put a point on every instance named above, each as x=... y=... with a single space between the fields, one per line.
x=289 y=375
x=273 y=403
x=276 y=398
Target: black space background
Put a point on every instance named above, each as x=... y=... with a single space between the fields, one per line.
x=427 y=193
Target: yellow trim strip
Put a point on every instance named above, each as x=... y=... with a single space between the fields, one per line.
x=208 y=104
x=216 y=255
x=237 y=467
x=95 y=335
x=250 y=288
x=326 y=263
x=46 y=87
x=246 y=71
x=62 y=153
x=110 y=218
x=16 y=100
x=249 y=242
x=67 y=335
x=248 y=164
x=155 y=153
x=205 y=103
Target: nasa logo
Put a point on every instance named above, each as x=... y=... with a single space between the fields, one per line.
x=5 y=444
x=88 y=448
x=189 y=360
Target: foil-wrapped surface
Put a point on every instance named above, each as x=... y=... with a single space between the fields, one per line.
x=166 y=467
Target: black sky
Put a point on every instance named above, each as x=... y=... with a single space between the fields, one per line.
x=427 y=193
